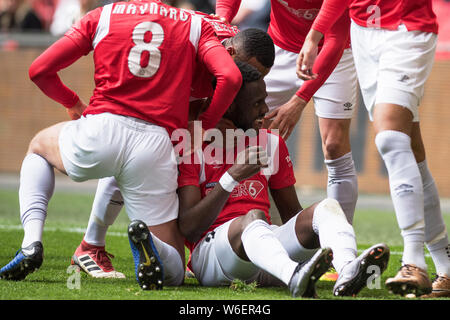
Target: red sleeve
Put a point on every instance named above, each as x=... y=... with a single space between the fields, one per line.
x=329 y=13
x=335 y=41
x=227 y=8
x=188 y=174
x=229 y=79
x=284 y=177
x=75 y=43
x=43 y=71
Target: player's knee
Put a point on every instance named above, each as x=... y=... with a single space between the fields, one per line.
x=252 y=215
x=333 y=149
x=388 y=141
x=36 y=144
x=256 y=214
x=331 y=206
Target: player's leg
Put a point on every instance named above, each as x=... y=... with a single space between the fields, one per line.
x=91 y=255
x=157 y=254
x=37 y=183
x=342 y=179
x=281 y=84
x=252 y=239
x=393 y=125
x=324 y=224
x=392 y=69
x=436 y=237
x=151 y=198
x=334 y=105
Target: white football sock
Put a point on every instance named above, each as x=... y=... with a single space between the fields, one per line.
x=37 y=182
x=334 y=231
x=406 y=192
x=107 y=204
x=287 y=235
x=172 y=262
x=343 y=183
x=436 y=237
x=265 y=251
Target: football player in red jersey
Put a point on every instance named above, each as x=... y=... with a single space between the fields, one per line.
x=252 y=45
x=224 y=213
x=394 y=44
x=144 y=54
x=333 y=88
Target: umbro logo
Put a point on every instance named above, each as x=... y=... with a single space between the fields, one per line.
x=403 y=189
x=333 y=181
x=210 y=236
x=403 y=78
x=348 y=106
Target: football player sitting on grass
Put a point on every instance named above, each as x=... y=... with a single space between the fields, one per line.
x=224 y=212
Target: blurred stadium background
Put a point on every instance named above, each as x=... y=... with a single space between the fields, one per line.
x=27 y=27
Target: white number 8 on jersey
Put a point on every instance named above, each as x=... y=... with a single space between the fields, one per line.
x=134 y=58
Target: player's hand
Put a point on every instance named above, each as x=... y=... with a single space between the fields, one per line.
x=77 y=110
x=216 y=16
x=286 y=117
x=308 y=55
x=305 y=61
x=248 y=163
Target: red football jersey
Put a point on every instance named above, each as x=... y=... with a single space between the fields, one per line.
x=386 y=14
x=135 y=45
x=202 y=82
x=205 y=172
x=290 y=22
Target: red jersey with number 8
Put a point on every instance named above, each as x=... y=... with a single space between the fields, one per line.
x=135 y=46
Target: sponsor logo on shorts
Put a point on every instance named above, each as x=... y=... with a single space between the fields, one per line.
x=403 y=78
x=210 y=236
x=348 y=106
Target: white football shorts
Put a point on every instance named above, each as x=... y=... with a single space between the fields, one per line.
x=337 y=97
x=392 y=65
x=214 y=262
x=137 y=153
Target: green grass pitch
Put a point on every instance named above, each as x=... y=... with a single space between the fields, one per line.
x=68 y=216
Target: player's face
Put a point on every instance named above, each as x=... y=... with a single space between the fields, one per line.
x=254 y=62
x=251 y=105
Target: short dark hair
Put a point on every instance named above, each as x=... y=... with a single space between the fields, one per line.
x=249 y=73
x=256 y=43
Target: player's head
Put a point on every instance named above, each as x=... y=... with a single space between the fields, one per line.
x=253 y=46
x=249 y=107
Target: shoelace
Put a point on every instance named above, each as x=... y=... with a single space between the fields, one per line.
x=408 y=269
x=438 y=278
x=103 y=258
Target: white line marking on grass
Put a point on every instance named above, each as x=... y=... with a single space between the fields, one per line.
x=124 y=235
x=71 y=230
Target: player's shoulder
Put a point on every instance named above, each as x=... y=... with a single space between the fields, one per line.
x=222 y=29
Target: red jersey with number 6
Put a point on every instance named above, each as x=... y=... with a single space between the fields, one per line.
x=206 y=168
x=145 y=53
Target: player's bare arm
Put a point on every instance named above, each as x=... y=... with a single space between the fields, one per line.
x=286 y=117
x=307 y=55
x=286 y=201
x=333 y=14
